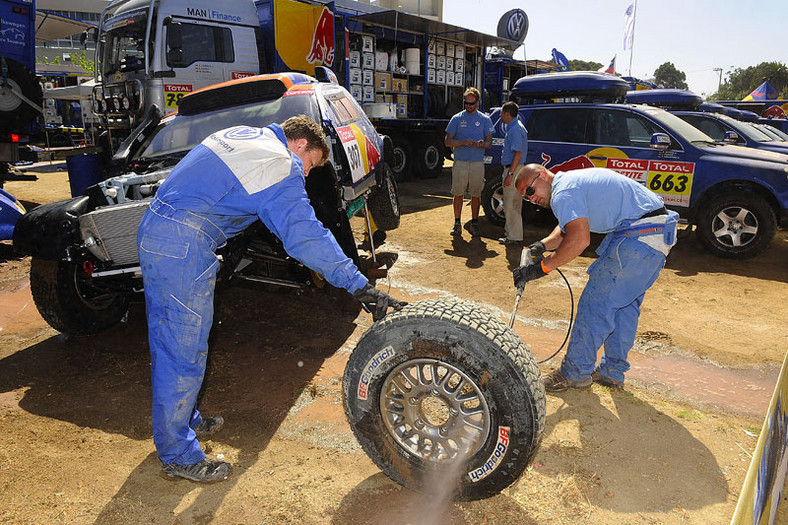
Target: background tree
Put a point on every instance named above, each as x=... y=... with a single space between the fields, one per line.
x=582 y=65
x=668 y=76
x=740 y=82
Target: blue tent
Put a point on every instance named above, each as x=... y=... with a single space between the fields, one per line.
x=763 y=92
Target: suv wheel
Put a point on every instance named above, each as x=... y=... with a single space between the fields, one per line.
x=492 y=199
x=384 y=202
x=736 y=225
x=441 y=392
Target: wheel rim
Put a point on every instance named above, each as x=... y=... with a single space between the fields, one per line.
x=392 y=191
x=496 y=202
x=434 y=411
x=400 y=159
x=89 y=297
x=432 y=156
x=735 y=226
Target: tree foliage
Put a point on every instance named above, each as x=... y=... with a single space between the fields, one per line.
x=582 y=65
x=668 y=76
x=741 y=82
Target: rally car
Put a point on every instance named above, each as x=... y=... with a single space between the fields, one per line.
x=85 y=267
x=735 y=196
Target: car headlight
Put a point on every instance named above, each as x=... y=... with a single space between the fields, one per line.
x=126 y=103
x=103 y=106
x=96 y=106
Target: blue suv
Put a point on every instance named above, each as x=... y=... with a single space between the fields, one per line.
x=736 y=197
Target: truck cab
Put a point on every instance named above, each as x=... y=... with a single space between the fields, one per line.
x=151 y=52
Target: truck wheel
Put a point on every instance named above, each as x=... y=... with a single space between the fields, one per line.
x=401 y=161
x=736 y=225
x=429 y=160
x=492 y=199
x=15 y=113
x=384 y=202
x=68 y=303
x=441 y=392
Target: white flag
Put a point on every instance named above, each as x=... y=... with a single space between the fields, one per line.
x=629 y=26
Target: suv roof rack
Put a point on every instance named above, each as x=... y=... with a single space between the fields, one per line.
x=665 y=98
x=581 y=86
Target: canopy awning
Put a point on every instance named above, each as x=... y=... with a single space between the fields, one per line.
x=51 y=26
x=426 y=26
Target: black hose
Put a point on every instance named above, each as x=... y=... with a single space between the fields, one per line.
x=571 y=317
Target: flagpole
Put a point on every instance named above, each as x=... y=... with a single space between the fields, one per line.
x=632 y=45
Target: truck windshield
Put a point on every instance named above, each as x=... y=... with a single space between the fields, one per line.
x=124 y=42
x=686 y=131
x=177 y=135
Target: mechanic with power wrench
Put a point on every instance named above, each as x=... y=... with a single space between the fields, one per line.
x=222 y=186
x=640 y=233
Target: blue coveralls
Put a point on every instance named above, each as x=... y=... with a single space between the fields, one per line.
x=222 y=186
x=609 y=307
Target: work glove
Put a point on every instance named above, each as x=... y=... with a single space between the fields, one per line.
x=537 y=251
x=377 y=302
x=526 y=273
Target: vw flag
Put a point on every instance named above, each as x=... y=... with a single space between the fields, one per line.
x=560 y=60
x=629 y=26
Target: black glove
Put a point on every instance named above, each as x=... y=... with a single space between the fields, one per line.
x=537 y=251
x=526 y=273
x=377 y=302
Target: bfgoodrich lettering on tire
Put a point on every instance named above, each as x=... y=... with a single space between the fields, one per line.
x=441 y=392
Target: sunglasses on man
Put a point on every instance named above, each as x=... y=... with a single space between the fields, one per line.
x=467 y=103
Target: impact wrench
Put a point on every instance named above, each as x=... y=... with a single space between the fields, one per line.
x=524 y=259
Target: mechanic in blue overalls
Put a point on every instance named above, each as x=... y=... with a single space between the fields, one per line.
x=235 y=177
x=640 y=233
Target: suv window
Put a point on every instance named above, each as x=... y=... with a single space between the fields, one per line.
x=709 y=126
x=558 y=125
x=614 y=127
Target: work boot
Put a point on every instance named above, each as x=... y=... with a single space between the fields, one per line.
x=457 y=229
x=205 y=471
x=209 y=425
x=598 y=378
x=556 y=382
x=475 y=228
x=508 y=242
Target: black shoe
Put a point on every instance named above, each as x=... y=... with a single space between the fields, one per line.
x=457 y=229
x=599 y=379
x=474 y=227
x=209 y=425
x=206 y=471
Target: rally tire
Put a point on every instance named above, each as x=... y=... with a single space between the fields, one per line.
x=16 y=114
x=492 y=199
x=401 y=160
x=497 y=393
x=384 y=202
x=736 y=224
x=68 y=304
x=429 y=160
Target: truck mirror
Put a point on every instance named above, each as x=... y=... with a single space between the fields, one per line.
x=88 y=35
x=174 y=44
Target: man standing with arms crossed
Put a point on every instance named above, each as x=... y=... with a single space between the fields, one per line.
x=469 y=133
x=515 y=147
x=640 y=233
x=233 y=178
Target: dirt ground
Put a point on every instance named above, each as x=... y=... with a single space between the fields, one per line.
x=673 y=447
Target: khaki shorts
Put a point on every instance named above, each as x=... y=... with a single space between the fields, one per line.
x=467 y=176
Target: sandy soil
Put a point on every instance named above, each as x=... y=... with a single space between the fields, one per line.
x=673 y=448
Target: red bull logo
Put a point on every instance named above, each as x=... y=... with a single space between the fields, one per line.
x=576 y=163
x=323 y=40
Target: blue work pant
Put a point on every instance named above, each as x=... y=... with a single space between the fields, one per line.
x=179 y=266
x=609 y=308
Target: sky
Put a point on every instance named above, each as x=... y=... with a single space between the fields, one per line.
x=697 y=36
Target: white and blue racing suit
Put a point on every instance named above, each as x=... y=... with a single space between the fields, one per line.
x=640 y=233
x=223 y=185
